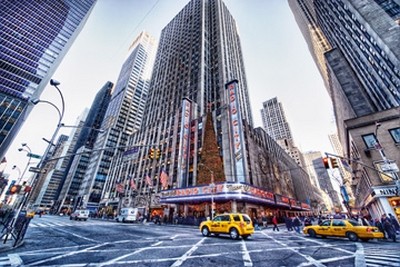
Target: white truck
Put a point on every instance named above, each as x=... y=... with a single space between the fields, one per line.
x=129 y=214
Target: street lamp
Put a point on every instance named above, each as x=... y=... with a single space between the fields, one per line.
x=212 y=185
x=59 y=124
x=29 y=151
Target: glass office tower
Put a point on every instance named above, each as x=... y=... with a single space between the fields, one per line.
x=34 y=37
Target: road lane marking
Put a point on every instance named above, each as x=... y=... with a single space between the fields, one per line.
x=115 y=260
x=15 y=259
x=246 y=255
x=307 y=257
x=188 y=253
x=64 y=255
x=359 y=256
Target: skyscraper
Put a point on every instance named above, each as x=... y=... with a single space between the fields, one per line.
x=86 y=138
x=358 y=53
x=35 y=36
x=123 y=116
x=276 y=125
x=362 y=63
x=197 y=138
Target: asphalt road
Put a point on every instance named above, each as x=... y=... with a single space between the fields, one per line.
x=57 y=241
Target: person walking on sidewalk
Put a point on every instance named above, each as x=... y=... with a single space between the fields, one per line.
x=297 y=224
x=275 y=223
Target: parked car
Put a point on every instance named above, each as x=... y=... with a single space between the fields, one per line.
x=234 y=224
x=79 y=215
x=350 y=229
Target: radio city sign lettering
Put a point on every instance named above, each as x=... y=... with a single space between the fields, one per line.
x=219 y=189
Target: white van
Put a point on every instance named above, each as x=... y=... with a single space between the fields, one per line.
x=79 y=215
x=129 y=214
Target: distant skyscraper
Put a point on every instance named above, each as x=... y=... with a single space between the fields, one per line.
x=276 y=125
x=274 y=120
x=34 y=37
x=123 y=116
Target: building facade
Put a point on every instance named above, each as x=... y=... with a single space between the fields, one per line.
x=35 y=36
x=361 y=63
x=375 y=143
x=123 y=117
x=197 y=152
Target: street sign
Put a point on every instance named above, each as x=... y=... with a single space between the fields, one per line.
x=31 y=155
x=37 y=170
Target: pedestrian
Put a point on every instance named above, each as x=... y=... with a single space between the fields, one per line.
x=378 y=224
x=394 y=222
x=264 y=221
x=388 y=227
x=255 y=224
x=297 y=224
x=307 y=221
x=288 y=223
x=275 y=223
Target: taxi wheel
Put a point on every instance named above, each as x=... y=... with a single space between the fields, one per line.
x=312 y=233
x=233 y=233
x=352 y=236
x=205 y=231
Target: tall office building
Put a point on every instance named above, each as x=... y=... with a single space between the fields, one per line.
x=34 y=37
x=199 y=131
x=362 y=63
x=123 y=117
x=73 y=177
x=276 y=125
x=359 y=44
x=274 y=120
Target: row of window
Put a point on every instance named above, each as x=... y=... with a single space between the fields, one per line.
x=371 y=140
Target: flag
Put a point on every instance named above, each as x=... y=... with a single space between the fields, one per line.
x=120 y=188
x=346 y=165
x=133 y=185
x=149 y=182
x=164 y=179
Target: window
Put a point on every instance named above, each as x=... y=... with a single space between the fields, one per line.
x=338 y=223
x=326 y=223
x=395 y=133
x=370 y=140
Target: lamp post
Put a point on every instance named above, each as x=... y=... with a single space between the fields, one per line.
x=59 y=124
x=60 y=113
x=212 y=185
x=29 y=151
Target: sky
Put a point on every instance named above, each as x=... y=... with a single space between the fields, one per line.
x=276 y=57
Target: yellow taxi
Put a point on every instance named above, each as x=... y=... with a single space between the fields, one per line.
x=350 y=229
x=234 y=224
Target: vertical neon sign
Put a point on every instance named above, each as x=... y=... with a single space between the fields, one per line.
x=236 y=130
x=184 y=143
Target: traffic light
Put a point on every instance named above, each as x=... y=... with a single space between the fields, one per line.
x=152 y=153
x=325 y=160
x=334 y=163
x=15 y=189
x=157 y=153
